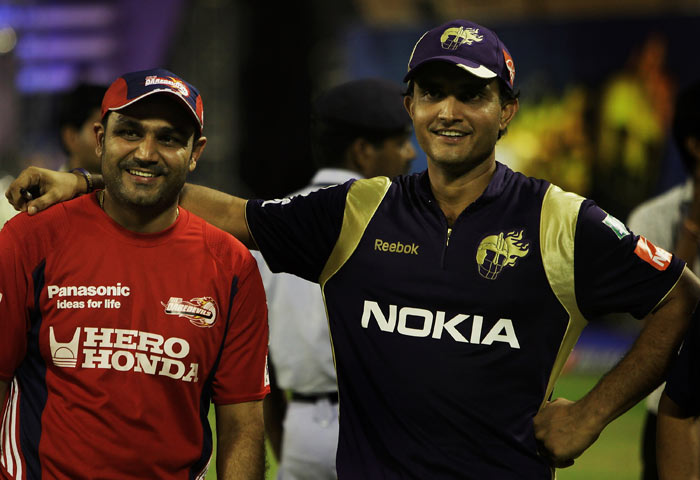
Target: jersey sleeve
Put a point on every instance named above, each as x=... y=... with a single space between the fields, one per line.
x=14 y=300
x=682 y=383
x=617 y=271
x=296 y=235
x=241 y=375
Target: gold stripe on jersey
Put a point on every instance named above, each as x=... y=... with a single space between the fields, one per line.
x=362 y=201
x=557 y=233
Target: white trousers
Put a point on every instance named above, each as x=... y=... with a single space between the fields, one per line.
x=309 y=442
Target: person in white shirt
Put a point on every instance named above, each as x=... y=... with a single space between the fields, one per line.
x=359 y=129
x=671 y=221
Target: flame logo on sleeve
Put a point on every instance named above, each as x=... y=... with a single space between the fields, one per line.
x=201 y=311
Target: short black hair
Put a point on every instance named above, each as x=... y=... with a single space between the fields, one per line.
x=76 y=105
x=331 y=139
x=367 y=108
x=686 y=122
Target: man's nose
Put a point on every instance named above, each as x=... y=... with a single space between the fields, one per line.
x=147 y=149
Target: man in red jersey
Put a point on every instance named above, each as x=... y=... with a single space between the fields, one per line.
x=123 y=315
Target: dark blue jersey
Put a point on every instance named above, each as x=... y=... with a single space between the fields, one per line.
x=683 y=383
x=448 y=340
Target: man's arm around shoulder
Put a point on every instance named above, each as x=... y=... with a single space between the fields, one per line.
x=220 y=209
x=240 y=436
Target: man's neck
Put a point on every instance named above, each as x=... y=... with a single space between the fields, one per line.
x=454 y=193
x=139 y=219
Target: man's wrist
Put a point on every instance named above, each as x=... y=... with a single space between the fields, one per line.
x=81 y=172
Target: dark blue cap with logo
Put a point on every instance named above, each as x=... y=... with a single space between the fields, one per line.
x=368 y=103
x=470 y=46
x=132 y=87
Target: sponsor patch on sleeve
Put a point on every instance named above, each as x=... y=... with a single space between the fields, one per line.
x=655 y=256
x=616 y=226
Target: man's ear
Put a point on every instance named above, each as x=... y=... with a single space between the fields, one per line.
x=508 y=111
x=99 y=138
x=197 y=150
x=408 y=105
x=69 y=137
x=362 y=156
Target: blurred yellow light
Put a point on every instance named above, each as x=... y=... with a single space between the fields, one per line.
x=8 y=39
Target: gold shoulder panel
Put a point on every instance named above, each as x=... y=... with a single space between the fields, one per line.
x=557 y=233
x=361 y=203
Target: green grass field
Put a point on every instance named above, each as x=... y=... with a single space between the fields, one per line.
x=615 y=456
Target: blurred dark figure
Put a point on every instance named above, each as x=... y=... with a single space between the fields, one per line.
x=78 y=111
x=359 y=129
x=672 y=221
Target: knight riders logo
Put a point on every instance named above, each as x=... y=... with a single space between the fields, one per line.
x=498 y=251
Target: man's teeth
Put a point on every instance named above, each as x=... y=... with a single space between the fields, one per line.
x=139 y=173
x=450 y=133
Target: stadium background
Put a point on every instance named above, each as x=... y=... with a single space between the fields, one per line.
x=597 y=80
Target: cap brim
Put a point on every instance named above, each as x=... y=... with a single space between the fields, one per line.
x=162 y=90
x=471 y=67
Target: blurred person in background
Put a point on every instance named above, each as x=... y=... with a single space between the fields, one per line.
x=678 y=424
x=78 y=111
x=7 y=211
x=359 y=129
x=672 y=221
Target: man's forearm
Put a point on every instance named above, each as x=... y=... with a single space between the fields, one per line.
x=240 y=435
x=565 y=429
x=220 y=209
x=643 y=368
x=242 y=457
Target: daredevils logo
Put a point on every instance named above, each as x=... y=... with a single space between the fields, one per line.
x=655 y=256
x=201 y=311
x=172 y=82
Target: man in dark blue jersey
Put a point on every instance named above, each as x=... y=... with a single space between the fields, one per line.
x=677 y=442
x=454 y=296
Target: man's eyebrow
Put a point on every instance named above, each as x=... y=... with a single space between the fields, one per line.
x=427 y=84
x=182 y=131
x=124 y=121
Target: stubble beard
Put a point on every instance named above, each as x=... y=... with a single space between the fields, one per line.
x=151 y=199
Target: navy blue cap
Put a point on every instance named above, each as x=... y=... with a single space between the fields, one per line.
x=470 y=46
x=369 y=103
x=132 y=87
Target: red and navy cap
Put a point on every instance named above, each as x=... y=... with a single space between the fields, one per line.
x=470 y=46
x=134 y=86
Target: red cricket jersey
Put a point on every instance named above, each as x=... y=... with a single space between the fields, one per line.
x=114 y=342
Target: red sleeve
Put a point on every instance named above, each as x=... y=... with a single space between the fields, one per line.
x=15 y=299
x=241 y=375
